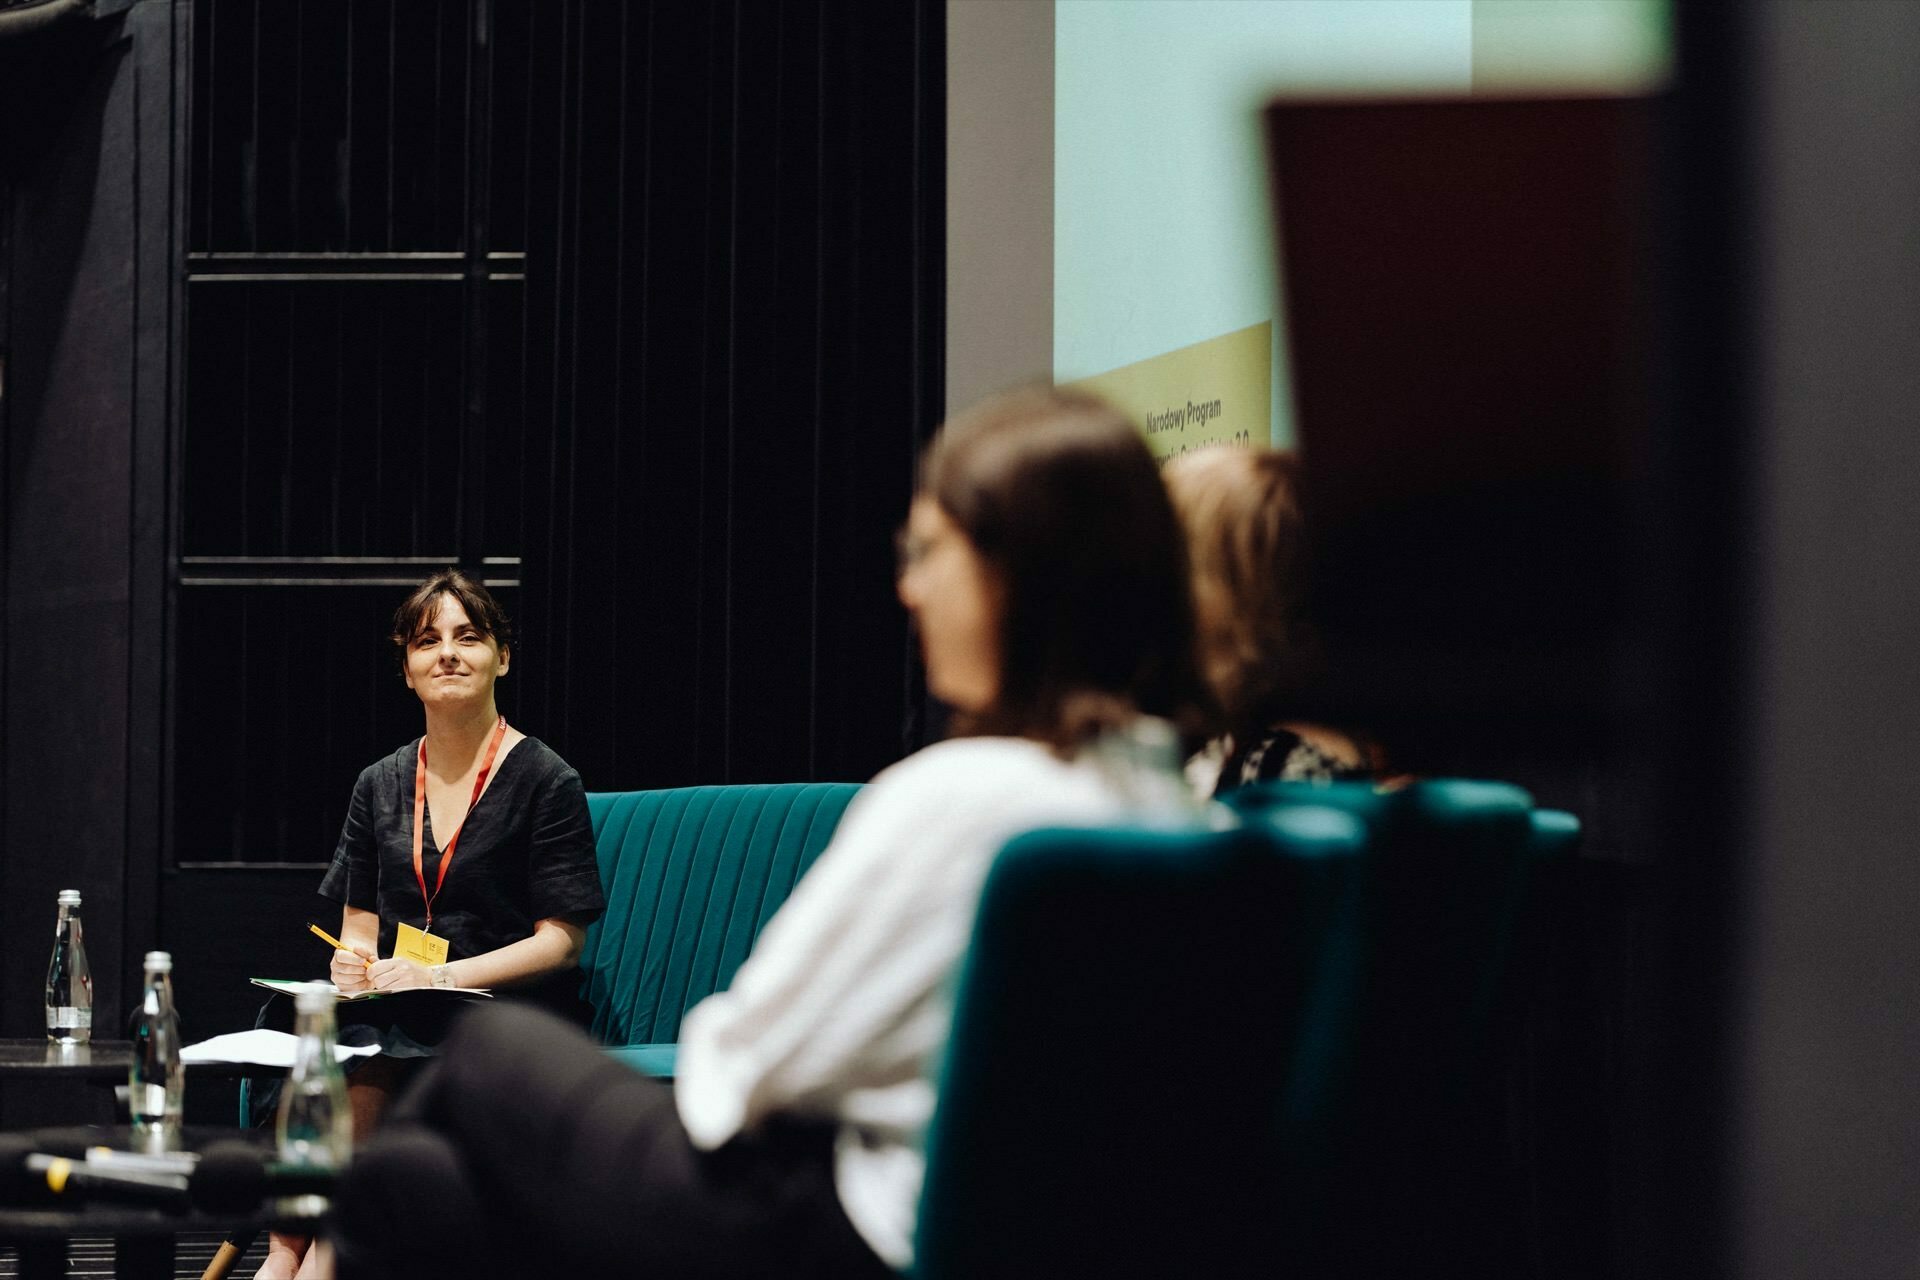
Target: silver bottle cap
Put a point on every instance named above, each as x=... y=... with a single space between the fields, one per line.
x=68 y=898
x=159 y=962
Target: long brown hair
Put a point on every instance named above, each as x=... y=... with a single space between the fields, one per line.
x=1241 y=510
x=1060 y=497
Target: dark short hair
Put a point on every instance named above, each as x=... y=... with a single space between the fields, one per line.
x=417 y=611
x=1060 y=497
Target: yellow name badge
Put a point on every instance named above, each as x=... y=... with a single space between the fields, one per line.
x=418 y=946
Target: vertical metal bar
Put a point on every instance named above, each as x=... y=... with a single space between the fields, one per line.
x=295 y=225
x=619 y=340
x=428 y=429
x=6 y=346
x=646 y=240
x=561 y=284
x=393 y=40
x=252 y=172
x=211 y=113
x=524 y=545
x=287 y=428
x=374 y=532
x=819 y=390
x=700 y=489
x=150 y=44
x=339 y=467
x=246 y=418
x=733 y=381
x=156 y=223
x=6 y=488
x=185 y=77
x=470 y=513
x=569 y=559
x=244 y=703
x=439 y=111
x=343 y=156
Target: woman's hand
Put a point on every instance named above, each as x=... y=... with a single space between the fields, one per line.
x=395 y=974
x=349 y=971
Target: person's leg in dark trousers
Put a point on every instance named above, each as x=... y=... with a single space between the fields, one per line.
x=414 y=1212
x=588 y=1160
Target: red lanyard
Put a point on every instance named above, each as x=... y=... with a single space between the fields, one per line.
x=420 y=809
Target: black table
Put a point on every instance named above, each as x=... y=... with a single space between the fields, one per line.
x=103 y=1062
x=103 y=1065
x=41 y=1059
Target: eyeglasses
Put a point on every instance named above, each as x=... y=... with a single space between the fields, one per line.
x=911 y=549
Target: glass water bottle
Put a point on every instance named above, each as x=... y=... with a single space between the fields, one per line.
x=316 y=1126
x=156 y=1079
x=69 y=981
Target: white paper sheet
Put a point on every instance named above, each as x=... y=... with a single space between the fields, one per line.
x=267 y=1048
x=291 y=986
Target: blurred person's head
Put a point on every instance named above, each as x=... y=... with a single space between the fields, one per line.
x=1245 y=537
x=1045 y=571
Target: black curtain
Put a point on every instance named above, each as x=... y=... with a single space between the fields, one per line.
x=730 y=355
x=630 y=309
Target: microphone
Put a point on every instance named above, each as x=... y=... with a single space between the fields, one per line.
x=230 y=1178
x=235 y=1178
x=31 y=1177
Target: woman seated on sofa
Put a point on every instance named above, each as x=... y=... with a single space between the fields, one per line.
x=1043 y=566
x=512 y=915
x=1241 y=512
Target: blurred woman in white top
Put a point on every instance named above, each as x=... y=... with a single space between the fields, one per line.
x=1045 y=572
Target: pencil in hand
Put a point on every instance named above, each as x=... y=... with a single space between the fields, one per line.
x=338 y=945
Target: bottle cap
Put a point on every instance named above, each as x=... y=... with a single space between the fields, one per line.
x=68 y=898
x=159 y=962
x=315 y=997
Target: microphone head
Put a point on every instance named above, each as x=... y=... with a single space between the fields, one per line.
x=230 y=1178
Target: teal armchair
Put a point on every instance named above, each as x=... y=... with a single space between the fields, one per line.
x=1463 y=880
x=1140 y=1041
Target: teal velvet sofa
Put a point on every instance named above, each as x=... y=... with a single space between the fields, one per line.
x=1276 y=1049
x=692 y=874
x=1335 y=974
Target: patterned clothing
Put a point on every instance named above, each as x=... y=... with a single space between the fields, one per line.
x=1280 y=756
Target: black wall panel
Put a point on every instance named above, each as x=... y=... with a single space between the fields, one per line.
x=77 y=394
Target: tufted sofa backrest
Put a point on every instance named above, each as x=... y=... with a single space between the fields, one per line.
x=691 y=876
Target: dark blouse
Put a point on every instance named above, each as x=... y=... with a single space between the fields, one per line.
x=525 y=853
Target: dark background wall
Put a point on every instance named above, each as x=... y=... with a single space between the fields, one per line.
x=633 y=310
x=85 y=412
